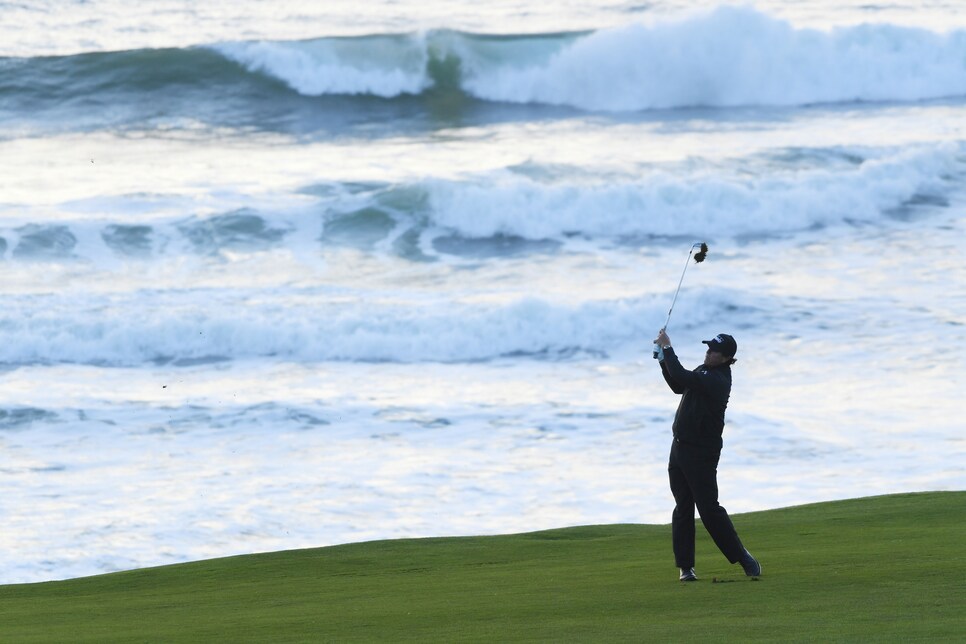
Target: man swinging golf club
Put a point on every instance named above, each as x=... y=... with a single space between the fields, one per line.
x=693 y=464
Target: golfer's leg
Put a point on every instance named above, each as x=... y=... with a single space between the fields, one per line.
x=682 y=520
x=703 y=476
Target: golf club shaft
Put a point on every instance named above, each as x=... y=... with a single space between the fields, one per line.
x=678 y=289
x=657 y=349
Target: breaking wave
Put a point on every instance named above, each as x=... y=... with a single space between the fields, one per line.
x=190 y=328
x=723 y=58
x=517 y=209
x=729 y=57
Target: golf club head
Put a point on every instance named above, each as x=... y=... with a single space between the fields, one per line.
x=700 y=255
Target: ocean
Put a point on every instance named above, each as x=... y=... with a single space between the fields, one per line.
x=285 y=275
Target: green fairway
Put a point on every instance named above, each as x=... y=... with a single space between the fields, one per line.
x=887 y=568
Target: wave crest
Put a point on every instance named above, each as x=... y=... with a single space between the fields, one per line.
x=385 y=66
x=728 y=57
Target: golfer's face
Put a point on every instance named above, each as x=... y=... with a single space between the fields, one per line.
x=714 y=358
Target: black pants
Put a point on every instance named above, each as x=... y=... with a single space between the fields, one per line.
x=693 y=472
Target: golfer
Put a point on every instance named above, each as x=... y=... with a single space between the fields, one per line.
x=693 y=464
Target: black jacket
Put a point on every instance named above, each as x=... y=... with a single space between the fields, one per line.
x=701 y=414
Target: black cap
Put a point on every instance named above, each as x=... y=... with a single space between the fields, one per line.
x=723 y=343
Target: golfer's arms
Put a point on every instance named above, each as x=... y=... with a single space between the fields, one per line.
x=675 y=387
x=681 y=379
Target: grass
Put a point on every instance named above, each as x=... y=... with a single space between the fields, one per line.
x=889 y=568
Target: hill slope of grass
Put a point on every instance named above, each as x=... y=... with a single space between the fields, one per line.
x=882 y=568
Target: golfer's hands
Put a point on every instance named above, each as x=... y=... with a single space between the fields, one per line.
x=662 y=340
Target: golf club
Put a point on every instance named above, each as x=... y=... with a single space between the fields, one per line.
x=698 y=258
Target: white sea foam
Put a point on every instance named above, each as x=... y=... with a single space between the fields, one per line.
x=187 y=328
x=664 y=202
x=735 y=56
